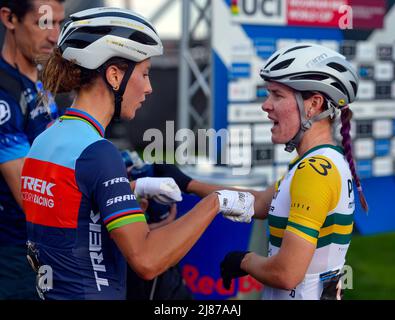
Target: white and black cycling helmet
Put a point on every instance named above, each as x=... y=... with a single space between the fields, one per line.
x=315 y=68
x=91 y=37
x=311 y=67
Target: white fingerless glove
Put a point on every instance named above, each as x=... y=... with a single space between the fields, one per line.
x=162 y=190
x=236 y=205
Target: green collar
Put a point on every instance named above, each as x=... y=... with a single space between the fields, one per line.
x=297 y=160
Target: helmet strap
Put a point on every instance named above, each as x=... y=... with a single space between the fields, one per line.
x=118 y=94
x=305 y=124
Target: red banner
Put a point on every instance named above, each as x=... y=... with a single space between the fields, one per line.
x=343 y=14
x=322 y=13
x=368 y=14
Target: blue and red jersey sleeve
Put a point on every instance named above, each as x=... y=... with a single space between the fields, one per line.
x=101 y=176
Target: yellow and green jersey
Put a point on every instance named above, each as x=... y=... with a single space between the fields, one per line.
x=314 y=200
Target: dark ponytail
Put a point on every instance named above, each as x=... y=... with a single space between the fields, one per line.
x=346 y=115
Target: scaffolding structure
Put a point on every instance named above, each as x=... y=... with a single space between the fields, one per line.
x=194 y=76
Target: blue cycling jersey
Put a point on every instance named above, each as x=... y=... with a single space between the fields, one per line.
x=20 y=123
x=75 y=191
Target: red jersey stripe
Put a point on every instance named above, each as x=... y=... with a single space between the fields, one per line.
x=46 y=202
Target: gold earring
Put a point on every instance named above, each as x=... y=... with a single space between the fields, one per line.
x=115 y=88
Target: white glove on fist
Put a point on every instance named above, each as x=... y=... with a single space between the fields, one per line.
x=162 y=190
x=236 y=205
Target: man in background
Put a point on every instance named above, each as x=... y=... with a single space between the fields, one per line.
x=31 y=31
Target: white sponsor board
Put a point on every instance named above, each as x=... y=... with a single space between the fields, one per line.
x=382 y=128
x=373 y=109
x=382 y=166
x=262 y=133
x=384 y=71
x=247 y=112
x=364 y=148
x=241 y=90
x=366 y=90
x=366 y=51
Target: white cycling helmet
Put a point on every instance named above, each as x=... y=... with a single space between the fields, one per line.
x=314 y=68
x=311 y=67
x=95 y=35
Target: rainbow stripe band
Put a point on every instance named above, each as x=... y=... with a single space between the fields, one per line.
x=120 y=222
x=67 y=117
x=120 y=214
x=75 y=114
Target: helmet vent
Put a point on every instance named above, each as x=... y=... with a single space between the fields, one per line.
x=336 y=66
x=339 y=87
x=296 y=48
x=83 y=37
x=142 y=38
x=354 y=86
x=282 y=65
x=77 y=43
x=318 y=77
x=271 y=61
x=97 y=30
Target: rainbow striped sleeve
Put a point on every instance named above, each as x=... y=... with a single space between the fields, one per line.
x=123 y=217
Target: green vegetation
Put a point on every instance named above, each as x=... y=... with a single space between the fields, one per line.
x=372 y=259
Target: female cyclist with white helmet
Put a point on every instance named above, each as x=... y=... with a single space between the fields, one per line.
x=311 y=212
x=84 y=223
x=310 y=209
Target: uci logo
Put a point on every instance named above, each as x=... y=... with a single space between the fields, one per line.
x=320 y=165
x=253 y=11
x=5 y=112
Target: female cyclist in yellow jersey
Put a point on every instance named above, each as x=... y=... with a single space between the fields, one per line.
x=310 y=209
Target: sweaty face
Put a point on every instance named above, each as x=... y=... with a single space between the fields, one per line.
x=138 y=87
x=283 y=112
x=38 y=31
